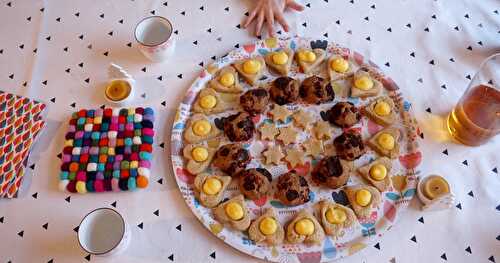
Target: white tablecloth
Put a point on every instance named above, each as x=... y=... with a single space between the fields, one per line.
x=429 y=47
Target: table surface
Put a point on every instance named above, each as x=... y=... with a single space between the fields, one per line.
x=430 y=47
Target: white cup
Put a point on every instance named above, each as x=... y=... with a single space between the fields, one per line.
x=154 y=37
x=103 y=232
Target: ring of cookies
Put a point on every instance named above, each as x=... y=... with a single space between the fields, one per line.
x=284 y=132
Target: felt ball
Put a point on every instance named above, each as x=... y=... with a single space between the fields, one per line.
x=97 y=120
x=71 y=186
x=99 y=175
x=78 y=143
x=69 y=136
x=104 y=126
x=112 y=134
x=91 y=176
x=88 y=127
x=148 y=132
x=137 y=126
x=95 y=135
x=128 y=141
x=114 y=127
x=125 y=165
x=91 y=167
x=137 y=132
x=81 y=188
x=76 y=151
x=107 y=185
x=86 y=135
x=87 y=142
x=116 y=173
x=100 y=167
x=123 y=184
x=147 y=124
x=148 y=118
x=124 y=174
x=137 y=140
x=145 y=156
x=71 y=128
x=68 y=142
x=143 y=171
x=75 y=158
x=102 y=159
x=116 y=111
x=63 y=184
x=103 y=142
x=82 y=166
x=116 y=165
x=115 y=185
x=111 y=150
x=134 y=156
x=131 y=184
x=73 y=167
x=128 y=149
x=123 y=112
x=91 y=113
x=85 y=150
x=103 y=150
x=142 y=181
x=128 y=134
x=145 y=164
x=82 y=113
x=130 y=119
x=122 y=119
x=81 y=121
x=139 y=110
x=111 y=160
x=65 y=167
x=67 y=150
x=129 y=127
x=94 y=158
x=121 y=127
x=99 y=185
x=134 y=165
x=66 y=158
x=148 y=111
x=63 y=175
x=137 y=117
x=133 y=172
x=90 y=186
x=108 y=174
x=79 y=134
x=72 y=176
x=146 y=148
x=119 y=157
x=81 y=176
x=94 y=150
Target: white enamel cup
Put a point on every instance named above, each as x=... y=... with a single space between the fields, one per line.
x=103 y=232
x=154 y=38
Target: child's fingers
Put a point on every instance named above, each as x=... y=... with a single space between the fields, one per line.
x=294 y=5
x=260 y=21
x=270 y=22
x=281 y=20
x=250 y=17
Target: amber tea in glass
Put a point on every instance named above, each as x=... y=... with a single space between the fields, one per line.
x=476 y=117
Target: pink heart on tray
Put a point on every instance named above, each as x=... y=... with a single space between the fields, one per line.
x=411 y=160
x=309 y=257
x=301 y=169
x=261 y=201
x=389 y=211
x=184 y=175
x=250 y=48
x=373 y=127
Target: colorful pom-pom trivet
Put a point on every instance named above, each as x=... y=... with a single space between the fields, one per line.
x=107 y=150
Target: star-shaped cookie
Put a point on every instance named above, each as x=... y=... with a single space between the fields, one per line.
x=268 y=131
x=273 y=154
x=288 y=135
x=302 y=118
x=294 y=157
x=322 y=130
x=313 y=147
x=280 y=113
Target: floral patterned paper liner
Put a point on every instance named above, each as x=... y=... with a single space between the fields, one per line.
x=357 y=238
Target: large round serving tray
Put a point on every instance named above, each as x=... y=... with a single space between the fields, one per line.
x=368 y=230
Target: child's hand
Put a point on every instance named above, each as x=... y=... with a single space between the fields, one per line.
x=269 y=10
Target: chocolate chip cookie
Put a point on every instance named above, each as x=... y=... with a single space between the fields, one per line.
x=255 y=101
x=239 y=127
x=343 y=114
x=284 y=90
x=316 y=90
x=255 y=183
x=292 y=189
x=231 y=158
x=332 y=172
x=349 y=145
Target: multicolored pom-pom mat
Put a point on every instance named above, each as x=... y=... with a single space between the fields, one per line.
x=107 y=150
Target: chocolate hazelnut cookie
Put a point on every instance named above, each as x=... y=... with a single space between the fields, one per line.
x=239 y=127
x=349 y=145
x=284 y=90
x=255 y=183
x=332 y=172
x=231 y=158
x=255 y=101
x=343 y=114
x=292 y=189
x=316 y=90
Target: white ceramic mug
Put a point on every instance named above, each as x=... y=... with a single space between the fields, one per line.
x=154 y=37
x=103 y=232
